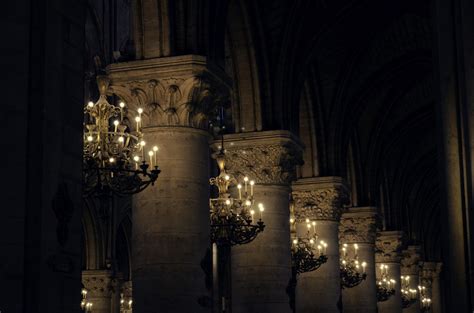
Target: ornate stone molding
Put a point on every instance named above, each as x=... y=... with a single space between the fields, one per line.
x=126 y=289
x=358 y=225
x=388 y=247
x=429 y=272
x=410 y=261
x=319 y=198
x=99 y=283
x=175 y=91
x=267 y=157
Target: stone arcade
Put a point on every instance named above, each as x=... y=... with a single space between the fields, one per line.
x=357 y=115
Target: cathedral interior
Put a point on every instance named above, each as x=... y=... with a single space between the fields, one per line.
x=238 y=156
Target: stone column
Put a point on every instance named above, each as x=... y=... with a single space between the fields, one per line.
x=261 y=269
x=100 y=289
x=430 y=277
x=171 y=219
x=358 y=226
x=321 y=199
x=411 y=267
x=388 y=251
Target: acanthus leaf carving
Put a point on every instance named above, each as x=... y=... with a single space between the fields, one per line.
x=358 y=229
x=410 y=262
x=267 y=164
x=99 y=284
x=173 y=101
x=320 y=204
x=388 y=247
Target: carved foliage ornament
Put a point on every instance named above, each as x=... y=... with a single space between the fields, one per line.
x=100 y=285
x=320 y=204
x=388 y=249
x=267 y=164
x=410 y=262
x=357 y=229
x=174 y=101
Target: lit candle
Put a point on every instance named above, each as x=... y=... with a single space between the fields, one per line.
x=155 y=149
x=142 y=144
x=246 y=179
x=239 y=187
x=252 y=212
x=356 y=247
x=319 y=249
x=116 y=123
x=261 y=208
x=136 y=159
x=314 y=227
x=122 y=105
x=363 y=266
x=251 y=187
x=150 y=153
x=137 y=119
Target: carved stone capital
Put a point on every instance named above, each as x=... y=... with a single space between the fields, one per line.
x=126 y=289
x=429 y=272
x=358 y=225
x=99 y=283
x=319 y=198
x=173 y=91
x=388 y=247
x=268 y=157
x=410 y=261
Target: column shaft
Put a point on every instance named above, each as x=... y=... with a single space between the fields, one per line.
x=261 y=270
x=171 y=226
x=321 y=288
x=388 y=246
x=171 y=265
x=320 y=199
x=411 y=267
x=358 y=226
x=362 y=298
x=394 y=303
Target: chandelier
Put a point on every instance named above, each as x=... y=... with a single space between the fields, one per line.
x=232 y=218
x=425 y=300
x=86 y=306
x=114 y=157
x=385 y=285
x=352 y=271
x=303 y=250
x=409 y=295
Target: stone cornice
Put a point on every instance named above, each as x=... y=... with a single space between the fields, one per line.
x=358 y=225
x=388 y=246
x=173 y=91
x=268 y=157
x=319 y=198
x=410 y=261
